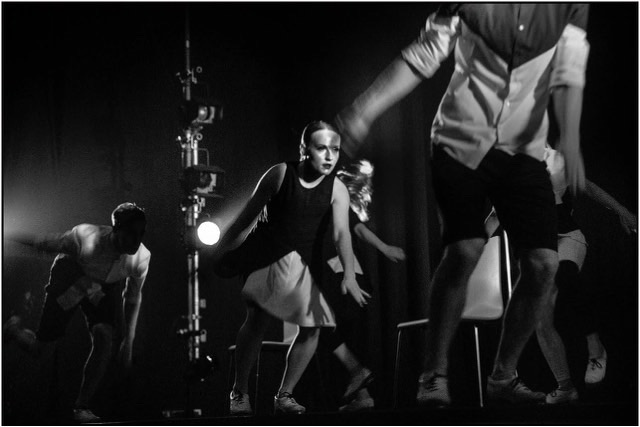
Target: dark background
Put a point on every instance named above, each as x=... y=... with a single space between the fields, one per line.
x=90 y=103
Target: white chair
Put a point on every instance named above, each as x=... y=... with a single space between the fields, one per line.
x=484 y=301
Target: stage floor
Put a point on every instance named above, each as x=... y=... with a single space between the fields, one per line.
x=578 y=414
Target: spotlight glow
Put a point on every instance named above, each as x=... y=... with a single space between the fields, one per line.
x=208 y=233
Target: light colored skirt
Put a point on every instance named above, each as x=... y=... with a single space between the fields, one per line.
x=286 y=290
x=572 y=246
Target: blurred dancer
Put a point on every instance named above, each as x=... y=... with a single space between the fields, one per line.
x=488 y=140
x=91 y=261
x=346 y=341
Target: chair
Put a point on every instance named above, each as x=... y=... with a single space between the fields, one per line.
x=484 y=301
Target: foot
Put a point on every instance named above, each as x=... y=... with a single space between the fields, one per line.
x=284 y=403
x=239 y=403
x=596 y=369
x=84 y=415
x=512 y=390
x=433 y=390
x=359 y=381
x=357 y=405
x=558 y=396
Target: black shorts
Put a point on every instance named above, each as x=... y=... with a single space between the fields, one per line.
x=65 y=271
x=517 y=186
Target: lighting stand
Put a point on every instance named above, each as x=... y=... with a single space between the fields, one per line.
x=199 y=366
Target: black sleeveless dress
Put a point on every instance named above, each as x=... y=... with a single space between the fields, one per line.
x=283 y=257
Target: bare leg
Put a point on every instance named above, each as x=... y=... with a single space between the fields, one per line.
x=552 y=346
x=300 y=353
x=248 y=343
x=359 y=375
x=447 y=301
x=96 y=364
x=538 y=267
x=348 y=359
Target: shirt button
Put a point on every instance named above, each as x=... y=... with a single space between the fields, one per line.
x=520 y=27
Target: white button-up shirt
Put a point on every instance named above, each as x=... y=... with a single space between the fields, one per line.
x=508 y=57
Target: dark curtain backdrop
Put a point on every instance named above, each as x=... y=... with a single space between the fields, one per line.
x=90 y=119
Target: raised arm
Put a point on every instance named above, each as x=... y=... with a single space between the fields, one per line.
x=418 y=61
x=268 y=185
x=393 y=253
x=51 y=242
x=342 y=240
x=628 y=220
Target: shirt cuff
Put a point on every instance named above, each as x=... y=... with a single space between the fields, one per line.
x=433 y=46
x=571 y=58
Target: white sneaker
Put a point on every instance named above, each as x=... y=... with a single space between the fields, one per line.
x=239 y=404
x=285 y=403
x=596 y=370
x=558 y=396
x=84 y=415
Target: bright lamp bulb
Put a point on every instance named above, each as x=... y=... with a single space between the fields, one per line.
x=208 y=233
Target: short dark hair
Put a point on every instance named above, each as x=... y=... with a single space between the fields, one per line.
x=127 y=213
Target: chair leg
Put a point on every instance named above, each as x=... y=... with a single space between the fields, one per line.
x=396 y=369
x=232 y=355
x=479 y=366
x=255 y=392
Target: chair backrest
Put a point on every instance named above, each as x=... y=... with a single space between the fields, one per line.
x=484 y=291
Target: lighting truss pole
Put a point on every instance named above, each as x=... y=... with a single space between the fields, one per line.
x=192 y=208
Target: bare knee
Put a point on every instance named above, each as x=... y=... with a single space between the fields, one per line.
x=464 y=255
x=539 y=268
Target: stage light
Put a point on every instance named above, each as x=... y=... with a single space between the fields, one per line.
x=204 y=181
x=200 y=112
x=208 y=233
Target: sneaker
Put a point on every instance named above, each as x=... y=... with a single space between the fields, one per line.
x=558 y=396
x=596 y=370
x=357 y=405
x=285 y=403
x=359 y=381
x=239 y=404
x=433 y=391
x=84 y=415
x=512 y=390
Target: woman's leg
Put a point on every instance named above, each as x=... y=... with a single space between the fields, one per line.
x=359 y=375
x=248 y=343
x=300 y=353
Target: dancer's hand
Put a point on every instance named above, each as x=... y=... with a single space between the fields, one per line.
x=628 y=221
x=394 y=253
x=351 y=285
